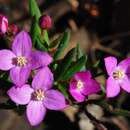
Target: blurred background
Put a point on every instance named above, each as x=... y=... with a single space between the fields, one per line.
x=102 y=28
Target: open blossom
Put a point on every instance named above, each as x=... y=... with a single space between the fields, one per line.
x=82 y=85
x=119 y=76
x=3 y=24
x=21 y=59
x=39 y=97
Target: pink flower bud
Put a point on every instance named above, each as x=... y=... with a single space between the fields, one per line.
x=3 y=24
x=13 y=29
x=45 y=22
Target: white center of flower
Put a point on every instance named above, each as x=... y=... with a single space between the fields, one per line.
x=80 y=85
x=39 y=94
x=118 y=74
x=21 y=61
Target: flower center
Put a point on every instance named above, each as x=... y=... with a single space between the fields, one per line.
x=118 y=74
x=80 y=85
x=39 y=95
x=21 y=61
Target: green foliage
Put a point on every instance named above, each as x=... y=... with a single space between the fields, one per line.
x=36 y=32
x=55 y=43
x=66 y=62
x=75 y=67
x=34 y=9
x=63 y=88
x=79 y=54
x=62 y=45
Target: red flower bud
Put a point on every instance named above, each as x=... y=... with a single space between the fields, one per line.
x=3 y=24
x=13 y=29
x=45 y=22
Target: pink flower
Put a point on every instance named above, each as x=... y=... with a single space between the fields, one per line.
x=119 y=76
x=82 y=85
x=3 y=24
x=39 y=97
x=45 y=22
x=21 y=60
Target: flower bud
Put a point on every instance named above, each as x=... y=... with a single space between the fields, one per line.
x=13 y=29
x=45 y=22
x=3 y=24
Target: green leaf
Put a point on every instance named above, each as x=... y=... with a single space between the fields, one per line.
x=63 y=89
x=34 y=9
x=63 y=44
x=39 y=45
x=67 y=61
x=55 y=43
x=46 y=38
x=79 y=51
x=4 y=76
x=79 y=55
x=96 y=64
x=35 y=30
x=121 y=112
x=75 y=68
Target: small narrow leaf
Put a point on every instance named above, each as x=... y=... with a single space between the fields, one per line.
x=63 y=89
x=63 y=44
x=75 y=68
x=79 y=51
x=39 y=45
x=121 y=112
x=35 y=30
x=34 y=9
x=55 y=43
x=46 y=38
x=79 y=54
x=67 y=61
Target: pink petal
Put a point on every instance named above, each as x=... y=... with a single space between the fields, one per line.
x=113 y=87
x=22 y=44
x=54 y=100
x=35 y=112
x=76 y=94
x=4 y=25
x=19 y=75
x=125 y=65
x=110 y=63
x=84 y=76
x=20 y=95
x=40 y=59
x=90 y=87
x=125 y=83
x=43 y=79
x=6 y=59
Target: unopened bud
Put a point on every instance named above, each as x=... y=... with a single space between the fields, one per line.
x=13 y=29
x=3 y=24
x=45 y=22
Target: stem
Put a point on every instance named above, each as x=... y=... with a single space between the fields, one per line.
x=97 y=123
x=99 y=74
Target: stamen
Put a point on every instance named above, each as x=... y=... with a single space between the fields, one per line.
x=80 y=85
x=39 y=95
x=118 y=74
x=21 y=61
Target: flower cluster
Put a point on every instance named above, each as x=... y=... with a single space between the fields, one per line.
x=39 y=96
x=33 y=80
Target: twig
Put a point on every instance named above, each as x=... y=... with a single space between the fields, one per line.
x=98 y=124
x=115 y=36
